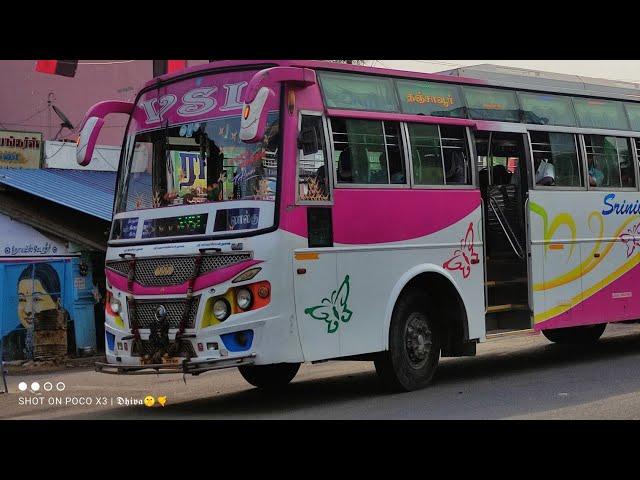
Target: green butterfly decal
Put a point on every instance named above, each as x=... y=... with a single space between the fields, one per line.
x=333 y=310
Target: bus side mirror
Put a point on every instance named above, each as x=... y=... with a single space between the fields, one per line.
x=308 y=141
x=87 y=140
x=261 y=87
x=92 y=124
x=254 y=118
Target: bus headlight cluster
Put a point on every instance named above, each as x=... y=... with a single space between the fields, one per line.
x=221 y=309
x=244 y=298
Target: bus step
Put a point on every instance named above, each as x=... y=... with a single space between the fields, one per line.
x=500 y=283
x=508 y=307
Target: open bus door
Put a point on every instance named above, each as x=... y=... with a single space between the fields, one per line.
x=503 y=159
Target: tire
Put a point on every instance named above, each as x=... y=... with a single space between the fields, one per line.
x=269 y=377
x=582 y=335
x=414 y=345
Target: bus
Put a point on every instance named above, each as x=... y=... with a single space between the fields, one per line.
x=271 y=213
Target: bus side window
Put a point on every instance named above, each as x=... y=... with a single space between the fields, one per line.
x=440 y=155
x=313 y=167
x=368 y=152
x=555 y=159
x=609 y=162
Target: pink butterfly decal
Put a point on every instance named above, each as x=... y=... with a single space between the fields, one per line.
x=465 y=256
x=631 y=239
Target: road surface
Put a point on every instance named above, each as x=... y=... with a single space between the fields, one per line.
x=513 y=377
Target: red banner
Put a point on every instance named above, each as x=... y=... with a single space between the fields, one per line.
x=65 y=68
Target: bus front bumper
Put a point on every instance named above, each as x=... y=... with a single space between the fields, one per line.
x=193 y=367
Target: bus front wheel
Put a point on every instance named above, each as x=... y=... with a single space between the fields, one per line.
x=269 y=377
x=414 y=345
x=580 y=335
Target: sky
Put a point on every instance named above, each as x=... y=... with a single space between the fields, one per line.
x=624 y=70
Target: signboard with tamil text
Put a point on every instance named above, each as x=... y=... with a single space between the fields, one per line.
x=20 y=149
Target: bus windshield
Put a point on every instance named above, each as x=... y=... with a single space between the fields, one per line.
x=199 y=162
x=184 y=149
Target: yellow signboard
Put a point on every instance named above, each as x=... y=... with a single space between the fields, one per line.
x=20 y=149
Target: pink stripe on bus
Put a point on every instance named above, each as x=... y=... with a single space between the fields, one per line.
x=606 y=304
x=368 y=216
x=204 y=281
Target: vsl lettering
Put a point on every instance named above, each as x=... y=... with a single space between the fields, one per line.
x=193 y=103
x=623 y=208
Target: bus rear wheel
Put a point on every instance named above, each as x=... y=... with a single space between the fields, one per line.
x=414 y=345
x=269 y=377
x=582 y=335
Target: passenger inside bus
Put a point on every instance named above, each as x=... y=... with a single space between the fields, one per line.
x=396 y=170
x=353 y=165
x=545 y=172
x=501 y=175
x=454 y=163
x=321 y=179
x=596 y=176
x=344 y=167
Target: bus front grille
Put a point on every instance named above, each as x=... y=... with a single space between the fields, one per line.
x=143 y=347
x=167 y=271
x=145 y=312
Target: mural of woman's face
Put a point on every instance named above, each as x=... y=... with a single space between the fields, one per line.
x=32 y=299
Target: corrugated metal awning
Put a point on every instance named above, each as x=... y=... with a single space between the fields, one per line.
x=87 y=191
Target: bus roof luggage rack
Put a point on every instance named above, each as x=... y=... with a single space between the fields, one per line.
x=193 y=367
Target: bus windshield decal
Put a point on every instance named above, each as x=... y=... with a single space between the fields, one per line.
x=237 y=219
x=430 y=98
x=189 y=100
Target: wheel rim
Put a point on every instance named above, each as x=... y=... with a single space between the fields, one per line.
x=417 y=340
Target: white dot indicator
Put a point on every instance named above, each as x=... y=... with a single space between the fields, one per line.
x=35 y=386
x=48 y=386
x=60 y=386
x=22 y=386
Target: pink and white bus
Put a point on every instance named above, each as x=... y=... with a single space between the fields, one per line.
x=270 y=213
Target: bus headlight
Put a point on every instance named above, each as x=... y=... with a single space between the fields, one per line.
x=244 y=298
x=115 y=305
x=221 y=309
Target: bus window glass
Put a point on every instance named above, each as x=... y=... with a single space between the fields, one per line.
x=367 y=152
x=313 y=181
x=492 y=104
x=430 y=98
x=440 y=155
x=201 y=162
x=543 y=109
x=594 y=113
x=609 y=162
x=555 y=158
x=358 y=92
x=633 y=112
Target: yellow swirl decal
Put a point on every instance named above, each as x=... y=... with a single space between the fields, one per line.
x=594 y=257
x=548 y=230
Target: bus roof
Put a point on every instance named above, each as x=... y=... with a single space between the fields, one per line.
x=484 y=74
x=521 y=78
